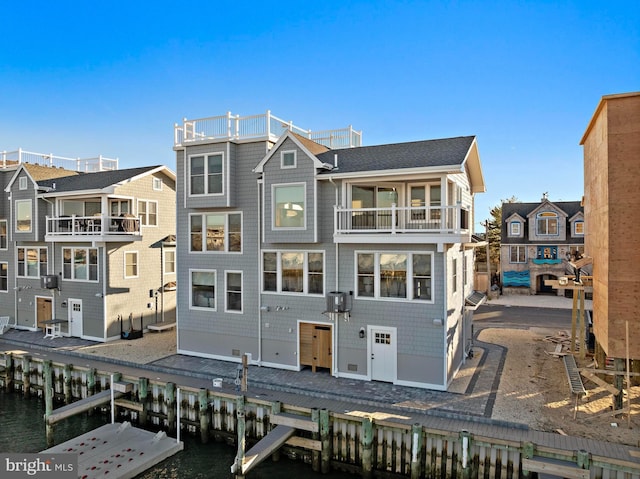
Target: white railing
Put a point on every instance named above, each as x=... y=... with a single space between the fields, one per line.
x=100 y=163
x=235 y=127
x=396 y=219
x=98 y=225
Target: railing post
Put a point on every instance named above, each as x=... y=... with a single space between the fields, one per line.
x=268 y=119
x=394 y=214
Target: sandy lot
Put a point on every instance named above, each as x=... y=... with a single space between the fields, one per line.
x=534 y=390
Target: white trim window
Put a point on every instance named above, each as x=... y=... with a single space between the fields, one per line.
x=148 y=212
x=454 y=275
x=295 y=272
x=216 y=232
x=169 y=261
x=32 y=262
x=202 y=289
x=4 y=234
x=578 y=228
x=4 y=277
x=24 y=215
x=206 y=174
x=547 y=224
x=289 y=210
x=517 y=254
x=515 y=228
x=22 y=183
x=391 y=275
x=157 y=184
x=130 y=264
x=80 y=264
x=233 y=291
x=288 y=159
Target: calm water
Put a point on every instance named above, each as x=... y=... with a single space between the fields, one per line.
x=22 y=430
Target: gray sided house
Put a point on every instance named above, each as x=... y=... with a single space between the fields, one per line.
x=537 y=242
x=86 y=248
x=306 y=250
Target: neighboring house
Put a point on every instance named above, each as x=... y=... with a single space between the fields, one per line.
x=304 y=249
x=535 y=241
x=86 y=248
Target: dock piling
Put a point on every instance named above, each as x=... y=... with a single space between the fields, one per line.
x=170 y=403
x=66 y=383
x=143 y=392
x=315 y=455
x=203 y=411
x=240 y=428
x=416 y=451
x=26 y=375
x=367 y=448
x=48 y=401
x=325 y=439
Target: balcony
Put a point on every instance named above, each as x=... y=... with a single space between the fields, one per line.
x=424 y=224
x=255 y=127
x=93 y=228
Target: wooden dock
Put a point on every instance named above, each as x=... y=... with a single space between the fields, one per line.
x=118 y=451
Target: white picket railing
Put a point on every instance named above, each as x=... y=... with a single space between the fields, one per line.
x=87 y=165
x=235 y=127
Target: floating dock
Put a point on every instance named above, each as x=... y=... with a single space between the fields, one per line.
x=118 y=451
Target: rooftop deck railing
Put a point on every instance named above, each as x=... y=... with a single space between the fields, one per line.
x=397 y=219
x=236 y=127
x=92 y=226
x=87 y=165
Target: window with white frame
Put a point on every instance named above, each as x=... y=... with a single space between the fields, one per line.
x=119 y=207
x=454 y=275
x=517 y=254
x=23 y=215
x=203 y=289
x=148 y=212
x=233 y=288
x=80 y=264
x=216 y=232
x=157 y=184
x=169 y=261
x=578 y=228
x=32 y=262
x=289 y=206
x=206 y=173
x=405 y=276
x=288 y=159
x=22 y=183
x=4 y=277
x=293 y=272
x=547 y=223
x=131 y=264
x=514 y=228
x=3 y=234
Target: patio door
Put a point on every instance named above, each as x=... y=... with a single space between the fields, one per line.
x=383 y=352
x=75 y=317
x=369 y=197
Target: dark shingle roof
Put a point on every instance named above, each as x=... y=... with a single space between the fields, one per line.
x=94 y=181
x=415 y=154
x=524 y=209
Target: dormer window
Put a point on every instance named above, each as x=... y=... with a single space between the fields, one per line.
x=288 y=159
x=547 y=224
x=578 y=228
x=22 y=183
x=515 y=228
x=288 y=206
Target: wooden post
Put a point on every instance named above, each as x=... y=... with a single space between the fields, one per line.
x=465 y=460
x=628 y=378
x=245 y=372
x=583 y=326
x=143 y=392
x=203 y=411
x=366 y=442
x=8 y=372
x=325 y=439
x=48 y=401
x=91 y=386
x=528 y=450
x=315 y=455
x=26 y=375
x=170 y=403
x=276 y=408
x=583 y=459
x=574 y=316
x=416 y=451
x=618 y=382
x=66 y=383
x=240 y=409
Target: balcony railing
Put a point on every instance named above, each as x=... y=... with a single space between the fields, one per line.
x=236 y=127
x=87 y=165
x=68 y=227
x=396 y=219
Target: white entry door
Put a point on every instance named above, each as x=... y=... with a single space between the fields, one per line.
x=75 y=317
x=383 y=354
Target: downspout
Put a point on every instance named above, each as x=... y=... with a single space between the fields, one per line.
x=337 y=266
x=444 y=315
x=259 y=263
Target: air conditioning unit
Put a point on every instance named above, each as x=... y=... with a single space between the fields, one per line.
x=336 y=302
x=49 y=281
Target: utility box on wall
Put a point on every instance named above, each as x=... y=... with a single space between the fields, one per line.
x=336 y=302
x=49 y=281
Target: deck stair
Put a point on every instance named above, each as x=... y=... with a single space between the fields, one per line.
x=286 y=426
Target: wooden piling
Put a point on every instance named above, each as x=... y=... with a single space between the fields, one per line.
x=8 y=371
x=203 y=411
x=315 y=455
x=366 y=443
x=325 y=439
x=143 y=392
x=26 y=375
x=170 y=404
x=465 y=459
x=48 y=401
x=416 y=451
x=66 y=383
x=240 y=428
x=276 y=408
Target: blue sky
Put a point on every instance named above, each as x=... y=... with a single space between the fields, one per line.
x=80 y=79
